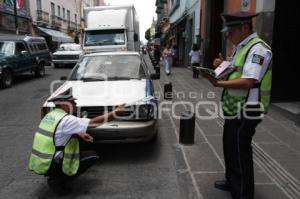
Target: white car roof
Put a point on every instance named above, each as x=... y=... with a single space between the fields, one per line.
x=113 y=53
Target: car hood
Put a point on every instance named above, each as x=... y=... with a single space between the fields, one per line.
x=67 y=52
x=105 y=93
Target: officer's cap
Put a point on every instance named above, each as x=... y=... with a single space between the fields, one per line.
x=64 y=96
x=231 y=20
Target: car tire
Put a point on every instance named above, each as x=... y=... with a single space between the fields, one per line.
x=40 y=71
x=6 y=79
x=56 y=66
x=154 y=138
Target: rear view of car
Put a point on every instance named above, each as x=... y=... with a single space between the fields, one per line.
x=67 y=54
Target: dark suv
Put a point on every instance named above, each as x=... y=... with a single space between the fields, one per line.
x=19 y=54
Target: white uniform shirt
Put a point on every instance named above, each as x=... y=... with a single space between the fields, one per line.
x=69 y=126
x=256 y=65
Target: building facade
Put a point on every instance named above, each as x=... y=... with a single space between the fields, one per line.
x=8 y=18
x=179 y=24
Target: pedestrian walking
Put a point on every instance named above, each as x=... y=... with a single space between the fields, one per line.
x=195 y=55
x=56 y=151
x=168 y=59
x=246 y=97
x=157 y=55
x=174 y=54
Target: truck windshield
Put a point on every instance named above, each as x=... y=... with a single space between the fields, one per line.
x=7 y=48
x=105 y=37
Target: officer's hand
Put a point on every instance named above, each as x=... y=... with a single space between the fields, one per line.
x=86 y=137
x=218 y=61
x=212 y=80
x=120 y=108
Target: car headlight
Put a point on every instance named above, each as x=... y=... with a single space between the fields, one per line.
x=145 y=111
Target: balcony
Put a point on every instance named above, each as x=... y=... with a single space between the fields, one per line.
x=56 y=22
x=42 y=18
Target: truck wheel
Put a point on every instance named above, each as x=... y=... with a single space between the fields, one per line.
x=7 y=79
x=40 y=71
x=56 y=65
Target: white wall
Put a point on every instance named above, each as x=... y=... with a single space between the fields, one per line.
x=265 y=5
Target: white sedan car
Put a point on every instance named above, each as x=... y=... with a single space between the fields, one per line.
x=102 y=81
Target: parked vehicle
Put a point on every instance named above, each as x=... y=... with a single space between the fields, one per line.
x=111 y=28
x=19 y=54
x=101 y=81
x=67 y=54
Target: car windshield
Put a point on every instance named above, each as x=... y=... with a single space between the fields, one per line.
x=104 y=37
x=72 y=47
x=109 y=67
x=7 y=48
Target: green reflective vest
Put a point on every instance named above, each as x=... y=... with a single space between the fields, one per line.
x=43 y=149
x=234 y=99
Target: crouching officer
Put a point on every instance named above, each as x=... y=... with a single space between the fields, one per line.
x=55 y=152
x=246 y=96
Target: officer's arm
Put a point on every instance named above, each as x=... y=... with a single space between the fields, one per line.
x=96 y=121
x=241 y=83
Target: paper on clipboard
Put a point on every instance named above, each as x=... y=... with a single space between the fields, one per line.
x=224 y=69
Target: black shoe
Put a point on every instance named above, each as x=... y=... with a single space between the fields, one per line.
x=58 y=187
x=223 y=185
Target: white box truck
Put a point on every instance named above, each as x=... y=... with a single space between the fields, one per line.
x=111 y=28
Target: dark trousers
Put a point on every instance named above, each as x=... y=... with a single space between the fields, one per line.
x=237 y=137
x=195 y=71
x=87 y=159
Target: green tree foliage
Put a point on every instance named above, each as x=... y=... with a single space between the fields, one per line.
x=147 y=34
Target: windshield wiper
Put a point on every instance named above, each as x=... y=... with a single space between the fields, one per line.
x=91 y=79
x=121 y=78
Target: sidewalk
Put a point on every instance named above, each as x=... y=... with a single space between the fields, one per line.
x=276 y=144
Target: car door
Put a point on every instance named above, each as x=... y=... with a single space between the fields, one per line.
x=24 y=61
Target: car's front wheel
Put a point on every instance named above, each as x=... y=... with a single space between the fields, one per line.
x=56 y=65
x=6 y=79
x=40 y=71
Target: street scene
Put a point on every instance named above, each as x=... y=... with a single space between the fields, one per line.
x=187 y=99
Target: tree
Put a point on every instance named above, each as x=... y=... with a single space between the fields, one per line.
x=147 y=34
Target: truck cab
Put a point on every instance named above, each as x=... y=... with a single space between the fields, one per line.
x=110 y=28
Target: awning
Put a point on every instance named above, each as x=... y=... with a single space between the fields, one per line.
x=57 y=35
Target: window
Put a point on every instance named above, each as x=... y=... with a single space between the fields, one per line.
x=68 y=16
x=7 y=48
x=58 y=11
x=41 y=46
x=39 y=4
x=19 y=48
x=52 y=9
x=64 y=13
x=75 y=19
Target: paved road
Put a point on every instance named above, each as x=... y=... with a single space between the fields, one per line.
x=123 y=171
x=164 y=169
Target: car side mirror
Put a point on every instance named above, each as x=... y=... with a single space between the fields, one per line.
x=24 y=52
x=63 y=78
x=154 y=76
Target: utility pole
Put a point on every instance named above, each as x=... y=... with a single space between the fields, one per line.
x=16 y=17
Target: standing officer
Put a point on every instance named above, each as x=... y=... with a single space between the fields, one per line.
x=245 y=99
x=55 y=152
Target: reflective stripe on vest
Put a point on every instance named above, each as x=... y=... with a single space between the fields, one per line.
x=234 y=99
x=43 y=149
